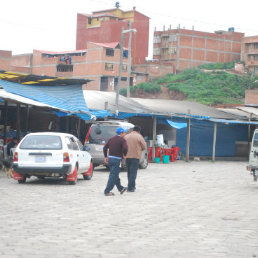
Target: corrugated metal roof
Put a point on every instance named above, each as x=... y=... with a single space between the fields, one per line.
x=250 y=110
x=178 y=107
x=97 y=99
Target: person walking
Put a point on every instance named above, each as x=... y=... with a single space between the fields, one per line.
x=117 y=147
x=136 y=145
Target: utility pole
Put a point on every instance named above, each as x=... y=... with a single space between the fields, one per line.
x=120 y=67
x=129 y=61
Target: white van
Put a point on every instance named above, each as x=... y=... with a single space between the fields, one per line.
x=99 y=133
x=253 y=156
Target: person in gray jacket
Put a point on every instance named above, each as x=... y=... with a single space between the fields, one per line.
x=136 y=145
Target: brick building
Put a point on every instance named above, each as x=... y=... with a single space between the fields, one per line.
x=106 y=26
x=99 y=62
x=5 y=60
x=249 y=53
x=189 y=48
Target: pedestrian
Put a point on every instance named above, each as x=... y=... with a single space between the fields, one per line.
x=136 y=145
x=10 y=145
x=117 y=148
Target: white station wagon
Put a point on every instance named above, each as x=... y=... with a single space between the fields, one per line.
x=50 y=154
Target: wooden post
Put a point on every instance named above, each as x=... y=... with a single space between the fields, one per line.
x=18 y=122
x=249 y=132
x=154 y=133
x=27 y=118
x=79 y=128
x=67 y=124
x=214 y=141
x=5 y=119
x=188 y=140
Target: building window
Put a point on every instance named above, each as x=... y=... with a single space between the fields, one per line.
x=156 y=39
x=256 y=45
x=109 y=67
x=124 y=79
x=109 y=52
x=156 y=51
x=124 y=68
x=256 y=69
x=125 y=54
x=139 y=77
x=64 y=68
x=172 y=50
x=255 y=57
x=89 y=20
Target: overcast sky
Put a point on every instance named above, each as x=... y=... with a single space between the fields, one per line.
x=51 y=24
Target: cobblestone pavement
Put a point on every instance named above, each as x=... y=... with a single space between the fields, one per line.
x=196 y=209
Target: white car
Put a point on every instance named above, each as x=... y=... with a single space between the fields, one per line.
x=50 y=154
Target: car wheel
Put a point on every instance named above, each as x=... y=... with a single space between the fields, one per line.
x=144 y=163
x=86 y=177
x=22 y=181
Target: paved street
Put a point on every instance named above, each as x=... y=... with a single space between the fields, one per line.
x=196 y=209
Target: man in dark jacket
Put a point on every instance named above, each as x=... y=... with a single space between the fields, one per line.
x=117 y=147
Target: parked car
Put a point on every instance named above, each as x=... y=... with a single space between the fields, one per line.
x=253 y=157
x=50 y=154
x=100 y=133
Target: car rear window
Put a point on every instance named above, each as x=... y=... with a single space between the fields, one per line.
x=101 y=134
x=42 y=142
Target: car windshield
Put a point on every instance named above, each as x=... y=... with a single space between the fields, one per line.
x=42 y=142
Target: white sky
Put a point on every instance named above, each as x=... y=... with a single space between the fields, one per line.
x=51 y=24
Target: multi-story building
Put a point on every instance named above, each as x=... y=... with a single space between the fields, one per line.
x=249 y=53
x=99 y=62
x=189 y=48
x=106 y=26
x=5 y=60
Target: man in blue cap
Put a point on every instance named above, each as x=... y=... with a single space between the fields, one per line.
x=118 y=148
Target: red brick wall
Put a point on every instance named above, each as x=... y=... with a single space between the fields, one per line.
x=5 y=60
x=110 y=31
x=251 y=97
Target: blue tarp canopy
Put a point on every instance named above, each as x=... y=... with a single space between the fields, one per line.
x=176 y=125
x=68 y=98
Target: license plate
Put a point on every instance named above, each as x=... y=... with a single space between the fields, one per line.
x=40 y=159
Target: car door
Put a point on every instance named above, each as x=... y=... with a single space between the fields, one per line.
x=80 y=154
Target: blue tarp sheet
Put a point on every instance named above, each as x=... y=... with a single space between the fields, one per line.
x=69 y=98
x=176 y=125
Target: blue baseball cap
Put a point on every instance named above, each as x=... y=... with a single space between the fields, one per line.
x=120 y=130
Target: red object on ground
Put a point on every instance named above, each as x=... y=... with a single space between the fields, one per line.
x=73 y=176
x=89 y=172
x=17 y=176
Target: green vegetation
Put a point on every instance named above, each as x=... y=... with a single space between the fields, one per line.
x=145 y=87
x=210 y=88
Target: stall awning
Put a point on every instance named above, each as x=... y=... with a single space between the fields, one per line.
x=68 y=98
x=176 y=125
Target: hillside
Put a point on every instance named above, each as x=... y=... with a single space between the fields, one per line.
x=210 y=86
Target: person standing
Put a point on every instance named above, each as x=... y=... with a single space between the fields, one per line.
x=136 y=145
x=117 y=147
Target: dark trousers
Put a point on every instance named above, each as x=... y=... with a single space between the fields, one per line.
x=132 y=168
x=113 y=179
